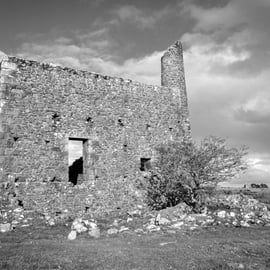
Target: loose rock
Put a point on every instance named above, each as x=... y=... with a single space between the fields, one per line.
x=123 y=229
x=78 y=226
x=153 y=228
x=72 y=235
x=94 y=232
x=112 y=231
x=5 y=227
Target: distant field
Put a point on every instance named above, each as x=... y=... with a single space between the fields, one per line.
x=263 y=195
x=216 y=248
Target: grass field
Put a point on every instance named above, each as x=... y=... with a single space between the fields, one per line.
x=215 y=248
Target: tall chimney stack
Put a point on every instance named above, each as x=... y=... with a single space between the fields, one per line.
x=173 y=76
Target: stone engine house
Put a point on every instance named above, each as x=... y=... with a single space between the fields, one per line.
x=119 y=122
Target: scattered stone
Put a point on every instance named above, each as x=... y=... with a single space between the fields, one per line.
x=72 y=235
x=92 y=225
x=192 y=228
x=236 y=265
x=162 y=220
x=167 y=243
x=244 y=223
x=139 y=230
x=51 y=222
x=25 y=225
x=47 y=217
x=115 y=223
x=209 y=220
x=153 y=228
x=5 y=227
x=112 y=231
x=94 y=232
x=171 y=231
x=123 y=229
x=191 y=218
x=78 y=226
x=178 y=225
x=179 y=211
x=221 y=214
x=136 y=212
x=129 y=219
x=15 y=222
x=18 y=210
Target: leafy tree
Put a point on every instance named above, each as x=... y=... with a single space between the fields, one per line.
x=182 y=168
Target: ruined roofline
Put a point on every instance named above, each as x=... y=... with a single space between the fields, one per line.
x=3 y=57
x=177 y=45
x=51 y=66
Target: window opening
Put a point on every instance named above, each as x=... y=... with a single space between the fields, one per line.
x=145 y=164
x=76 y=160
x=120 y=123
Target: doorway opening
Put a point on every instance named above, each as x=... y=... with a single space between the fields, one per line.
x=76 y=160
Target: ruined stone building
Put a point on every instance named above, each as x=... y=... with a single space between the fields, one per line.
x=118 y=121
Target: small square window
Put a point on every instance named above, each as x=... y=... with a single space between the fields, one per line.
x=145 y=164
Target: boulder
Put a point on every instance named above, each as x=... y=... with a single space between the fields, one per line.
x=51 y=222
x=112 y=231
x=92 y=225
x=94 y=232
x=123 y=229
x=72 y=235
x=221 y=214
x=178 y=225
x=152 y=228
x=162 y=220
x=78 y=226
x=176 y=212
x=5 y=227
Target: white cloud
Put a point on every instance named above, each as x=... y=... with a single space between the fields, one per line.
x=140 y=18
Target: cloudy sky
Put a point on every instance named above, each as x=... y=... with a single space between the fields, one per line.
x=226 y=53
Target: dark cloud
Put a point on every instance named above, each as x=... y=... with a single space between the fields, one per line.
x=238 y=25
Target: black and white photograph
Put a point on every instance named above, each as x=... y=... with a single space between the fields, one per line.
x=134 y=135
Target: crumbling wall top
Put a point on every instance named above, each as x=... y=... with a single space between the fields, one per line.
x=20 y=62
x=3 y=56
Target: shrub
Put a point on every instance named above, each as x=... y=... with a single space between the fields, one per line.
x=182 y=168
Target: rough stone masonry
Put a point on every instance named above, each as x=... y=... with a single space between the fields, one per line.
x=118 y=121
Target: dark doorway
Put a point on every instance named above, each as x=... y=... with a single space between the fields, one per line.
x=76 y=160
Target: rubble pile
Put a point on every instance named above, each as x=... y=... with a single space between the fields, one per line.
x=236 y=210
x=80 y=225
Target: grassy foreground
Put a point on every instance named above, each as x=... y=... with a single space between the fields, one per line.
x=216 y=248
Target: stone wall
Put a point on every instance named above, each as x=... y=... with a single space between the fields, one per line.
x=119 y=121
